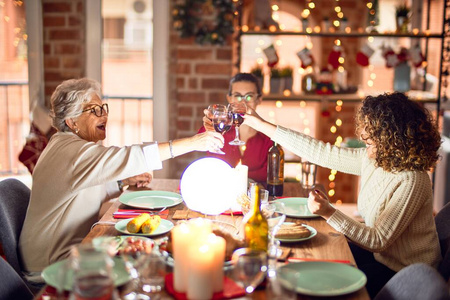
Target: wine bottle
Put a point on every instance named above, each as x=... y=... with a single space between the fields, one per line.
x=256 y=229
x=275 y=170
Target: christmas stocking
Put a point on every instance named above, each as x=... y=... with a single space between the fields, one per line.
x=333 y=58
x=417 y=58
x=306 y=58
x=362 y=57
x=272 y=56
x=391 y=58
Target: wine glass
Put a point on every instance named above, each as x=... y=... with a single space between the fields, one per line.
x=249 y=267
x=222 y=121
x=238 y=109
x=92 y=269
x=133 y=251
x=213 y=108
x=275 y=215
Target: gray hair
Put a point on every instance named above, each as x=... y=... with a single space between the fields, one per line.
x=68 y=99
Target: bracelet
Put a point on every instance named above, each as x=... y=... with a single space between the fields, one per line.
x=121 y=185
x=171 y=149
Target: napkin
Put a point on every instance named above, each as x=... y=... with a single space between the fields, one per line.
x=230 y=289
x=132 y=213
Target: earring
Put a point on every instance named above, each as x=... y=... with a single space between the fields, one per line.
x=77 y=130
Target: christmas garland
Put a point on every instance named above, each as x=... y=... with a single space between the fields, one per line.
x=209 y=21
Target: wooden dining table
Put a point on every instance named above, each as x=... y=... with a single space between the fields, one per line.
x=327 y=245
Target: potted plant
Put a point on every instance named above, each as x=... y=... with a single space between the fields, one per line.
x=258 y=73
x=286 y=78
x=402 y=14
x=275 y=81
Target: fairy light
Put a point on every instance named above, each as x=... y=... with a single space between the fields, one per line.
x=371 y=68
x=279 y=104
x=338 y=140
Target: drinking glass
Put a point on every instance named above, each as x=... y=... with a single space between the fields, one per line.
x=222 y=121
x=308 y=175
x=134 y=251
x=275 y=215
x=238 y=109
x=249 y=267
x=92 y=269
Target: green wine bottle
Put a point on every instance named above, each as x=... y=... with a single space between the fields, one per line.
x=256 y=229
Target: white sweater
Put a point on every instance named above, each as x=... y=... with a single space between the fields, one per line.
x=70 y=182
x=397 y=207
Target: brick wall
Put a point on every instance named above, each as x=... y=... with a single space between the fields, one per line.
x=199 y=76
x=64 y=42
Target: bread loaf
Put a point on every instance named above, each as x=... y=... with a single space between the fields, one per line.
x=292 y=231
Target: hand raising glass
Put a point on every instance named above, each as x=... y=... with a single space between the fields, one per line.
x=222 y=121
x=238 y=109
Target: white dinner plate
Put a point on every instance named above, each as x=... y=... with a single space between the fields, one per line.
x=318 y=278
x=311 y=229
x=164 y=227
x=151 y=199
x=296 y=207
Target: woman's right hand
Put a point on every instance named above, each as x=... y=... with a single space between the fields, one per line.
x=207 y=141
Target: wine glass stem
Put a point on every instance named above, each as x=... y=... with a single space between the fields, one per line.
x=237 y=133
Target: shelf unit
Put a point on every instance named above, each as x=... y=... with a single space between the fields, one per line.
x=439 y=98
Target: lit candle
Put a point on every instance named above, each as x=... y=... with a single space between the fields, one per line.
x=217 y=245
x=181 y=238
x=200 y=272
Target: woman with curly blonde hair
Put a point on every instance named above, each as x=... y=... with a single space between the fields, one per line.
x=395 y=197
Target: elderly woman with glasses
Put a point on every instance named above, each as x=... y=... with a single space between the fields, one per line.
x=244 y=87
x=75 y=174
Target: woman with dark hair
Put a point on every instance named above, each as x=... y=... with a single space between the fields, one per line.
x=244 y=87
x=395 y=197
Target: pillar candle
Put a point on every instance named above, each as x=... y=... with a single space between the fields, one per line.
x=200 y=284
x=200 y=227
x=217 y=245
x=181 y=238
x=241 y=177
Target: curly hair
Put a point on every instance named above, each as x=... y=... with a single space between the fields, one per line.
x=403 y=132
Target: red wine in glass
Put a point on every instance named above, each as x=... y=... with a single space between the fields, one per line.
x=238 y=119
x=222 y=121
x=221 y=127
x=238 y=109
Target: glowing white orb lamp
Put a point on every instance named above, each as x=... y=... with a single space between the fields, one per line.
x=207 y=186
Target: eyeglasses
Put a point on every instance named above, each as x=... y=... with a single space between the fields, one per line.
x=247 y=97
x=98 y=110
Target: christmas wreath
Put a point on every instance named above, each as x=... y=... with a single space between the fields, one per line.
x=209 y=21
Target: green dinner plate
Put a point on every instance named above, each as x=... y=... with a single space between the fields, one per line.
x=51 y=273
x=150 y=199
x=296 y=207
x=311 y=229
x=164 y=227
x=317 y=278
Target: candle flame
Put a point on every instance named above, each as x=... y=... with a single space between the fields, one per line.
x=203 y=248
x=239 y=163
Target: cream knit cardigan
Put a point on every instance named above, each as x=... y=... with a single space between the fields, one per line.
x=396 y=207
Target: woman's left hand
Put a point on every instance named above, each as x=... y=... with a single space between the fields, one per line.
x=138 y=180
x=319 y=204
